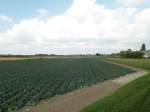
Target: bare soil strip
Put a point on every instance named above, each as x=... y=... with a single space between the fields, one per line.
x=78 y=99
x=21 y=58
x=11 y=58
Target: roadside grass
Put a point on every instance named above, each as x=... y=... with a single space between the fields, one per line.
x=133 y=97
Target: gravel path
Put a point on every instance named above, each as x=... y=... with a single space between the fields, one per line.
x=78 y=99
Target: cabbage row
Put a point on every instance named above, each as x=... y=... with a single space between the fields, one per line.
x=27 y=82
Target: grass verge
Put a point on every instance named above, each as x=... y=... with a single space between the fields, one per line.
x=138 y=63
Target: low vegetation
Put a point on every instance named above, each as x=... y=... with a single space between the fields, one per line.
x=131 y=54
x=139 y=63
x=133 y=97
x=26 y=82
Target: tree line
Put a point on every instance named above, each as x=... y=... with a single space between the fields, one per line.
x=133 y=54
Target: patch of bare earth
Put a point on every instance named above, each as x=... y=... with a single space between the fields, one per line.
x=11 y=58
x=78 y=99
x=23 y=58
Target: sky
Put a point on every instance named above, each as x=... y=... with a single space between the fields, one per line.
x=73 y=26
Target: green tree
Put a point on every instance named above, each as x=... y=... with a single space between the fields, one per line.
x=131 y=54
x=143 y=47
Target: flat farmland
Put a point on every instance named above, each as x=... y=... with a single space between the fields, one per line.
x=27 y=82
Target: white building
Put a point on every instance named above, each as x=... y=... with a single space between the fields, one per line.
x=147 y=54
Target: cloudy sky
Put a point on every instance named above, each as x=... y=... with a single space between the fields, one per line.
x=73 y=26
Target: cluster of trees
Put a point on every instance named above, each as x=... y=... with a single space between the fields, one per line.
x=98 y=54
x=143 y=47
x=133 y=54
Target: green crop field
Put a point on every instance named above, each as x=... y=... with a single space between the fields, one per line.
x=133 y=97
x=26 y=82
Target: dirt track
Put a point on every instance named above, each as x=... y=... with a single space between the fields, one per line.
x=76 y=100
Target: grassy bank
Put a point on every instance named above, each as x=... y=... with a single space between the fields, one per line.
x=138 y=63
x=133 y=97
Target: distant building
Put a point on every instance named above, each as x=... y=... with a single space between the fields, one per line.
x=147 y=54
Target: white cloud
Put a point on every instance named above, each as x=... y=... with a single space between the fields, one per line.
x=130 y=3
x=84 y=27
x=6 y=18
x=42 y=13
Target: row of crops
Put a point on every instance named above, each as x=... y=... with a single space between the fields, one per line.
x=27 y=82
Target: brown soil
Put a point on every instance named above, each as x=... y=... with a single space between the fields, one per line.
x=22 y=58
x=78 y=99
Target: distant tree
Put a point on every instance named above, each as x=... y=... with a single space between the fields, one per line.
x=143 y=47
x=98 y=54
x=131 y=54
x=129 y=50
x=123 y=54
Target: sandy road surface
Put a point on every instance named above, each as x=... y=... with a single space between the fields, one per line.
x=78 y=99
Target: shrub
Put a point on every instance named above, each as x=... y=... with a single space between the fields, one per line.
x=131 y=54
